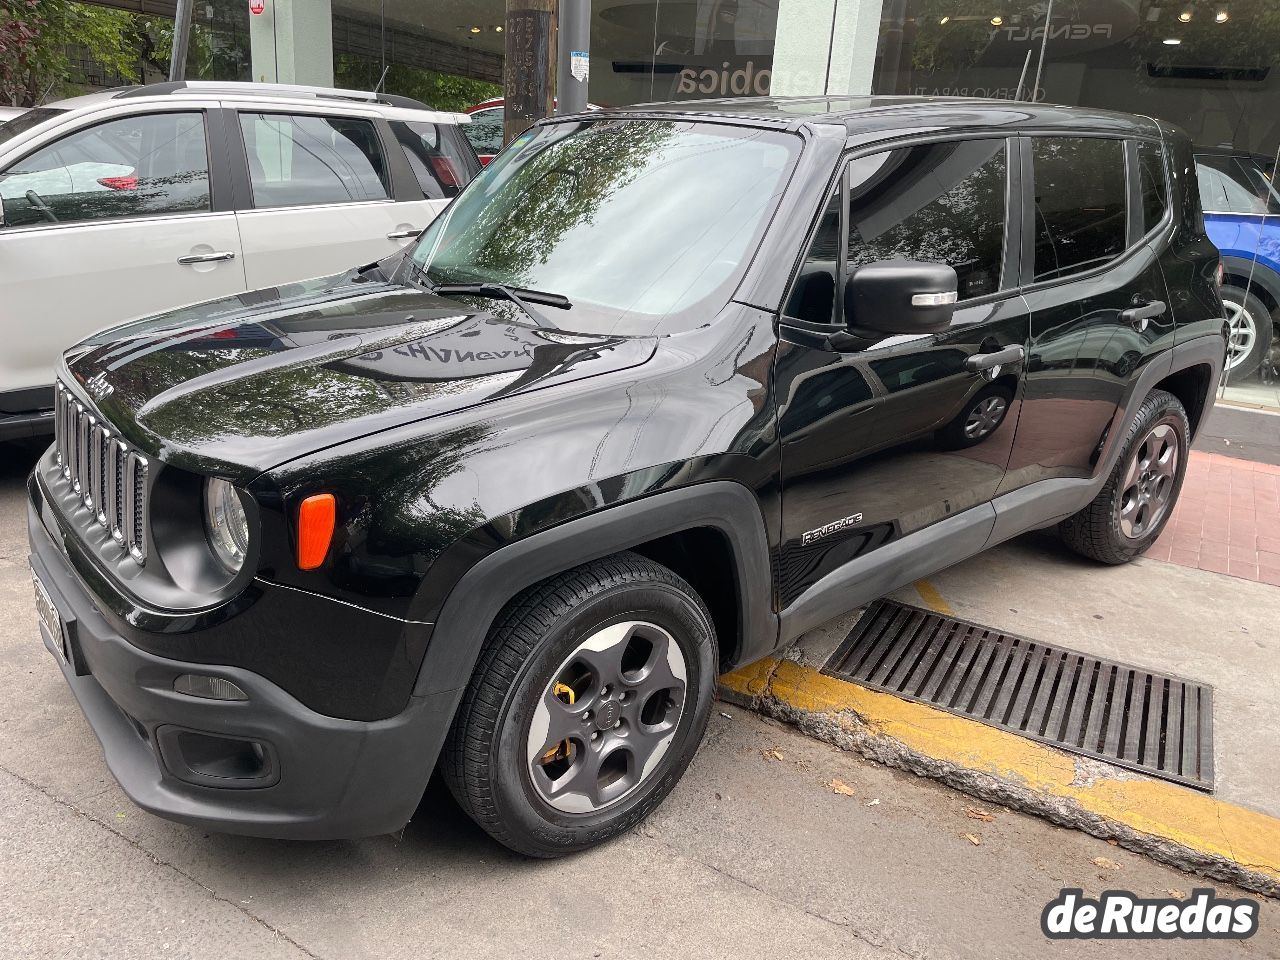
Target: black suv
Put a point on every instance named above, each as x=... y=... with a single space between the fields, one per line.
x=663 y=389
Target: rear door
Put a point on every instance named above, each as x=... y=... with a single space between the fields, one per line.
x=318 y=195
x=1099 y=305
x=115 y=220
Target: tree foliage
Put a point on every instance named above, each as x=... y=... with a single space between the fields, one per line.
x=36 y=40
x=443 y=91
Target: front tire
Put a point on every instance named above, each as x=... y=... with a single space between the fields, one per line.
x=1127 y=515
x=588 y=702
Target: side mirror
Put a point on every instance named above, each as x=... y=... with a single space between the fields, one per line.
x=900 y=297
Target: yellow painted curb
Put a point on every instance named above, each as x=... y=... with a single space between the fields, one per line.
x=1193 y=820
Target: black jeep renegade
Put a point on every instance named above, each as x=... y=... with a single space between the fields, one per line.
x=663 y=389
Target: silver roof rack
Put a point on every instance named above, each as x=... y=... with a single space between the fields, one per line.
x=270 y=90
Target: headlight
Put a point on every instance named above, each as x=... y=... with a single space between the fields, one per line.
x=226 y=523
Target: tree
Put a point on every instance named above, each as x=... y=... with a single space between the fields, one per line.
x=36 y=37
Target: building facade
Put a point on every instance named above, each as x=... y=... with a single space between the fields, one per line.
x=1208 y=66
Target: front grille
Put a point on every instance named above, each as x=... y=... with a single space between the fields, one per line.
x=107 y=475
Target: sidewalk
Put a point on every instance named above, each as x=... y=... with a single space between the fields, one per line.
x=1185 y=613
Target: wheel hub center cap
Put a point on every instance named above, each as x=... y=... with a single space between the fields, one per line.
x=607 y=714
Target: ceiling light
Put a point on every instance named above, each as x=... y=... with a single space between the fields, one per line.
x=1185 y=16
x=944 y=21
x=996 y=21
x=475 y=29
x=1222 y=16
x=1172 y=42
x=498 y=28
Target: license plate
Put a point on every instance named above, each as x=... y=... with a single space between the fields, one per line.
x=48 y=614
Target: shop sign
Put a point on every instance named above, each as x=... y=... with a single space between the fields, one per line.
x=257 y=7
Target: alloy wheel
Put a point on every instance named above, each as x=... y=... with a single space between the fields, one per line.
x=607 y=716
x=1147 y=488
x=1243 y=333
x=985 y=417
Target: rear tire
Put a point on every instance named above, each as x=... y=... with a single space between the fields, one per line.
x=588 y=702
x=1134 y=505
x=1251 y=332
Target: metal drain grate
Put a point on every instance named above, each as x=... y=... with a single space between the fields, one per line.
x=1158 y=724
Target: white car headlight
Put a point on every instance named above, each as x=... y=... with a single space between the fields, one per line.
x=225 y=523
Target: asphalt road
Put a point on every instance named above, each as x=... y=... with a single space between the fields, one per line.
x=752 y=856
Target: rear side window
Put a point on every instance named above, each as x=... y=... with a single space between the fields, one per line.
x=1079 y=204
x=485 y=130
x=140 y=166
x=937 y=203
x=301 y=160
x=1235 y=185
x=1152 y=183
x=441 y=164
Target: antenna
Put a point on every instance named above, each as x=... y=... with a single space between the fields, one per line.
x=382 y=78
x=1044 y=42
x=1017 y=94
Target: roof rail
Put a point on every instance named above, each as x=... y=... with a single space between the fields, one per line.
x=269 y=90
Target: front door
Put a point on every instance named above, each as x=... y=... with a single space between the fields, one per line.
x=883 y=436
x=108 y=223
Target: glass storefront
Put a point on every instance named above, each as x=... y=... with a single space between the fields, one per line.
x=1208 y=66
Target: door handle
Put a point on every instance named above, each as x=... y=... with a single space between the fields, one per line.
x=403 y=234
x=1139 y=315
x=207 y=257
x=990 y=361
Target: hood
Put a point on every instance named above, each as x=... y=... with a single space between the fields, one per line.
x=258 y=379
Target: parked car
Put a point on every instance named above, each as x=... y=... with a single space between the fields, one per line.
x=8 y=113
x=1242 y=215
x=124 y=203
x=665 y=389
x=485 y=129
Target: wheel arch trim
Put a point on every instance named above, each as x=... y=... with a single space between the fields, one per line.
x=1258 y=274
x=478 y=597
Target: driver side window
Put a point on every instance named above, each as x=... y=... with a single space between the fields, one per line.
x=138 y=166
x=933 y=203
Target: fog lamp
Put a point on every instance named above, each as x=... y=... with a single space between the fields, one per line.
x=208 y=688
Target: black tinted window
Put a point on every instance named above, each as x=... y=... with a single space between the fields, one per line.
x=938 y=203
x=296 y=160
x=1079 y=203
x=813 y=296
x=440 y=163
x=138 y=166
x=1155 y=197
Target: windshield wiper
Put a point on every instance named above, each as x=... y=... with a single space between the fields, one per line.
x=520 y=296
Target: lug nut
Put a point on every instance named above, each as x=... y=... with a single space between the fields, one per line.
x=586 y=717
x=595 y=735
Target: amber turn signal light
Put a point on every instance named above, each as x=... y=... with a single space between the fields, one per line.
x=315 y=529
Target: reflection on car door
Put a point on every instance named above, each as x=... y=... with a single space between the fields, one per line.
x=82 y=252
x=887 y=435
x=1098 y=300
x=321 y=193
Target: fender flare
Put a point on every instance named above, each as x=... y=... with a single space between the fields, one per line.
x=475 y=601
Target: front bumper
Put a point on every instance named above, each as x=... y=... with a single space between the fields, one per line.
x=321 y=777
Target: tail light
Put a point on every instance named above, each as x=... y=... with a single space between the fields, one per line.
x=445 y=172
x=120 y=183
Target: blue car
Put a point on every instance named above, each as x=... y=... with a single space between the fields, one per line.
x=1241 y=209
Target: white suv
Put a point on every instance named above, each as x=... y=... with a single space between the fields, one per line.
x=126 y=203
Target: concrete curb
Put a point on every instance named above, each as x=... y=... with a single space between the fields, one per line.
x=1170 y=823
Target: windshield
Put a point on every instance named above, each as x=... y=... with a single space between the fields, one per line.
x=637 y=222
x=24 y=122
